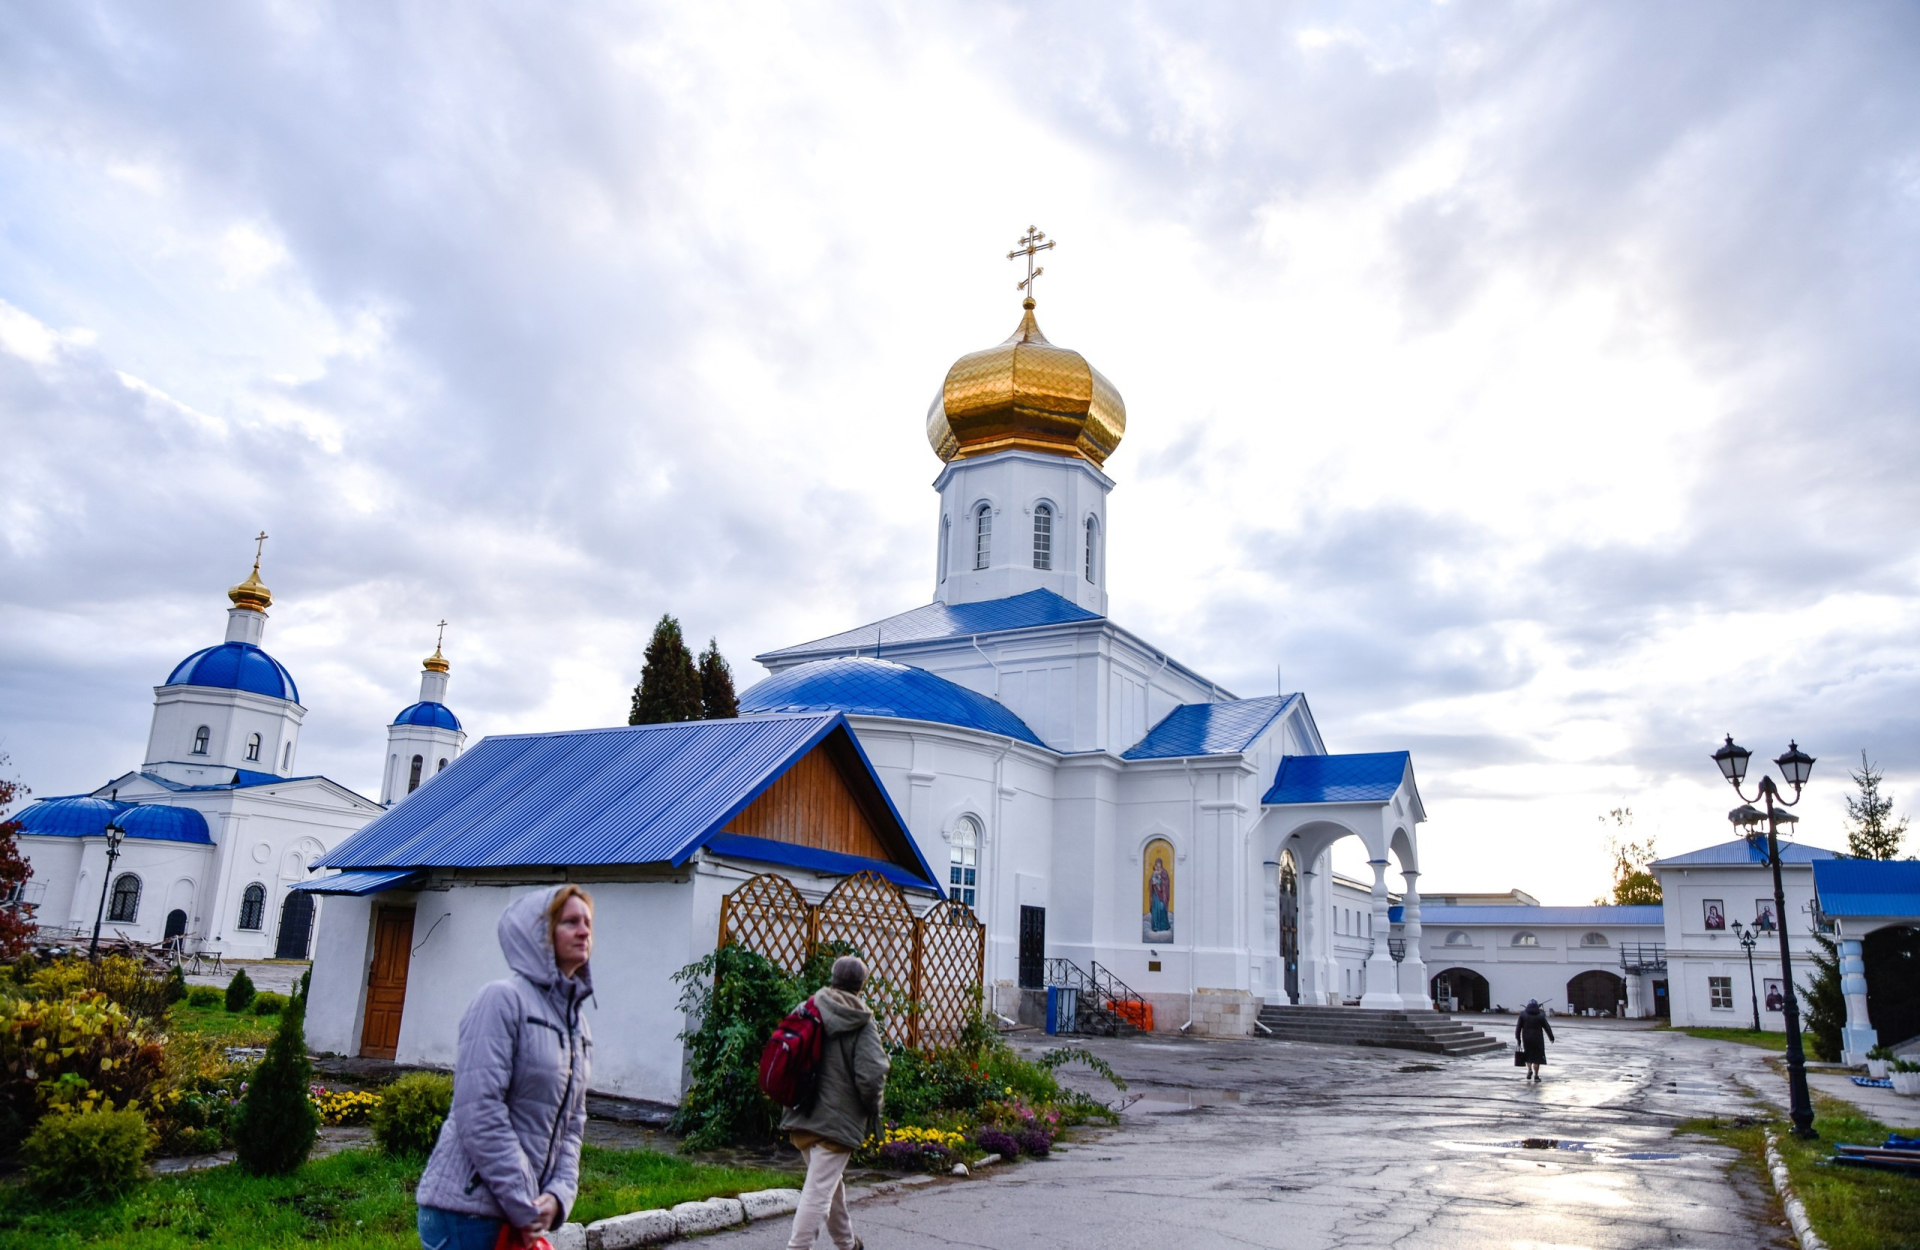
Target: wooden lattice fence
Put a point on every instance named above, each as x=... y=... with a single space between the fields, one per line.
x=926 y=971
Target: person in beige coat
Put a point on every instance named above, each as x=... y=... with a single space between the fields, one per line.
x=851 y=1086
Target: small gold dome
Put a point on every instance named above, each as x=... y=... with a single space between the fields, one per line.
x=436 y=663
x=1029 y=395
x=252 y=594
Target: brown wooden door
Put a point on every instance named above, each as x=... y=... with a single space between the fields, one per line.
x=387 y=983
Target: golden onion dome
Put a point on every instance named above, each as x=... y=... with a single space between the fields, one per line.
x=436 y=663
x=1027 y=395
x=252 y=594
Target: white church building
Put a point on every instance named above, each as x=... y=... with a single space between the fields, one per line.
x=214 y=828
x=1091 y=797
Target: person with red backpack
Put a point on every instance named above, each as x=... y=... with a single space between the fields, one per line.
x=825 y=1062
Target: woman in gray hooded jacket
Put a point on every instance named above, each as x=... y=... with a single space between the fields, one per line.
x=509 y=1152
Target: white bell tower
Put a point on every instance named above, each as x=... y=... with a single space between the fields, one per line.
x=426 y=736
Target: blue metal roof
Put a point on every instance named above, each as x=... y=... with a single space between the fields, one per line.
x=1370 y=778
x=637 y=794
x=1524 y=917
x=236 y=666
x=936 y=621
x=1744 y=851
x=243 y=778
x=360 y=883
x=1225 y=728
x=882 y=688
x=81 y=816
x=432 y=715
x=1868 y=887
x=767 y=851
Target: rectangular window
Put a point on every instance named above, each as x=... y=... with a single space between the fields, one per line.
x=1043 y=538
x=983 y=538
x=1720 y=990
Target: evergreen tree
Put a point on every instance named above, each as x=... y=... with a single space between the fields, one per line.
x=240 y=991
x=669 y=688
x=1633 y=879
x=16 y=925
x=1870 y=834
x=277 y=1124
x=1825 y=1004
x=717 y=700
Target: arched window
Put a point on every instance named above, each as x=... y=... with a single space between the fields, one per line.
x=963 y=860
x=125 y=905
x=413 y=781
x=1042 y=537
x=1459 y=938
x=253 y=747
x=201 y=737
x=286 y=758
x=1093 y=549
x=1526 y=938
x=982 y=536
x=253 y=907
x=1593 y=939
x=443 y=764
x=946 y=544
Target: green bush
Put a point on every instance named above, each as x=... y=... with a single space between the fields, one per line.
x=277 y=1122
x=736 y=997
x=410 y=1112
x=176 y=984
x=268 y=1003
x=120 y=979
x=87 y=1154
x=73 y=1053
x=205 y=995
x=1826 y=1005
x=240 y=991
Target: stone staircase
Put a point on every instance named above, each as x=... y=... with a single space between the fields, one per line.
x=1427 y=1031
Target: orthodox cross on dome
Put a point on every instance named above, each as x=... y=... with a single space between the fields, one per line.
x=436 y=662
x=1029 y=245
x=440 y=637
x=259 y=547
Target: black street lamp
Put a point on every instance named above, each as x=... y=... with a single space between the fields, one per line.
x=1795 y=766
x=1749 y=938
x=115 y=835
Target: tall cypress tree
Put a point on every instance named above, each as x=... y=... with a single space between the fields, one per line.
x=669 y=688
x=277 y=1123
x=717 y=699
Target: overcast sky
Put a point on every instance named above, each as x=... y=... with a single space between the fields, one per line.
x=1535 y=386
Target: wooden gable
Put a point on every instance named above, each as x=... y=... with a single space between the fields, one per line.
x=823 y=801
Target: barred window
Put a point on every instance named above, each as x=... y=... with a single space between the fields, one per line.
x=413 y=780
x=253 y=907
x=1043 y=537
x=125 y=905
x=1721 y=991
x=963 y=860
x=982 y=537
x=253 y=747
x=200 y=738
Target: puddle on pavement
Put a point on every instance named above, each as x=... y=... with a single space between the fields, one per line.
x=1598 y=1150
x=1166 y=1099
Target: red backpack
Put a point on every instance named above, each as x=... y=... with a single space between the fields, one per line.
x=790 y=1063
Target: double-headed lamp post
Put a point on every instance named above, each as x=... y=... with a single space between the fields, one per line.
x=1795 y=766
x=115 y=835
x=1748 y=939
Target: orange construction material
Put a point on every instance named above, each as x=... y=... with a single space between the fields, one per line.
x=1139 y=1015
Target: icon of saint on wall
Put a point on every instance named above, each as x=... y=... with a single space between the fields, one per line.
x=1156 y=865
x=1716 y=914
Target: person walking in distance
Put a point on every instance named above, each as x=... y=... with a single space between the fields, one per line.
x=850 y=1086
x=507 y=1165
x=1532 y=1031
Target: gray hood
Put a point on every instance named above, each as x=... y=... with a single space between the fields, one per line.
x=525 y=941
x=840 y=1011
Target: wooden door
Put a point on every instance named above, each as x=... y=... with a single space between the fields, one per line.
x=387 y=982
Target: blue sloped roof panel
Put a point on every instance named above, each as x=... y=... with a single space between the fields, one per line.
x=1868 y=887
x=882 y=688
x=1435 y=914
x=936 y=621
x=361 y=884
x=767 y=851
x=236 y=666
x=82 y=816
x=639 y=794
x=1225 y=728
x=432 y=715
x=1743 y=851
x=1367 y=778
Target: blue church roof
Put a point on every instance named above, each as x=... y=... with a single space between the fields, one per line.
x=1435 y=914
x=1868 y=887
x=432 y=715
x=1226 y=728
x=936 y=621
x=236 y=666
x=82 y=816
x=636 y=794
x=1370 y=778
x=882 y=688
x=1744 y=851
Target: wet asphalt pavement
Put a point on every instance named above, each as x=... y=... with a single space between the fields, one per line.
x=1274 y=1144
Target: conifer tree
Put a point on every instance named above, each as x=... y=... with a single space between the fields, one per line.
x=1825 y=1001
x=277 y=1123
x=16 y=926
x=717 y=699
x=1633 y=879
x=669 y=688
x=1870 y=832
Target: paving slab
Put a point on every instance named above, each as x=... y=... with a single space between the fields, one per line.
x=1303 y=1147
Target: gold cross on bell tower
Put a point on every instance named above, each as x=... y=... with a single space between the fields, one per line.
x=259 y=547
x=441 y=638
x=1029 y=245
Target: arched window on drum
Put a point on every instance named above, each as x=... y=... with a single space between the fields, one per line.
x=253 y=907
x=963 y=861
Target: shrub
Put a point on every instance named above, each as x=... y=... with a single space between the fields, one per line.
x=995 y=1141
x=176 y=984
x=411 y=1110
x=205 y=995
x=277 y=1123
x=1034 y=1141
x=734 y=998
x=80 y=1053
x=343 y=1106
x=193 y=1109
x=121 y=980
x=87 y=1154
x=268 y=1003
x=240 y=991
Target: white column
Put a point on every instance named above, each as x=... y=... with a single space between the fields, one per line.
x=1635 y=1007
x=1415 y=993
x=1858 y=1037
x=1382 y=994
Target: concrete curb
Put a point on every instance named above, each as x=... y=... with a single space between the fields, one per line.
x=1796 y=1212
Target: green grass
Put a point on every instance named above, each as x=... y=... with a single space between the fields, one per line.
x=216 y=1023
x=1851 y=1208
x=355 y=1199
x=1748 y=1037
